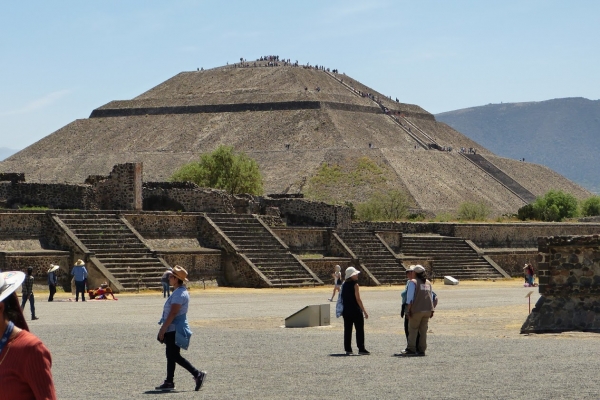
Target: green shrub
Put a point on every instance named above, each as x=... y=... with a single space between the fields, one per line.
x=590 y=207
x=473 y=211
x=390 y=206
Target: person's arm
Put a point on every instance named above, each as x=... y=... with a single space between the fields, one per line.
x=359 y=301
x=410 y=295
x=172 y=314
x=39 y=364
x=85 y=273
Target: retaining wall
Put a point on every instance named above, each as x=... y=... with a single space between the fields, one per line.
x=569 y=284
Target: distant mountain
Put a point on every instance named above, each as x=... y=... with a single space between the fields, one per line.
x=563 y=134
x=5 y=152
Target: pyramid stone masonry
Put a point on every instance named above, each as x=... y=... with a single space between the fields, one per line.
x=292 y=120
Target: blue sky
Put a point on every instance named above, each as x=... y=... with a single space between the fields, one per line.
x=62 y=59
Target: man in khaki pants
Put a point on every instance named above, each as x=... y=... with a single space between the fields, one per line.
x=419 y=309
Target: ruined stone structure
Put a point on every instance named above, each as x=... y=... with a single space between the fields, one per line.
x=292 y=121
x=569 y=276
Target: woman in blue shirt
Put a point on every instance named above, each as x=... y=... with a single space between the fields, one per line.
x=175 y=332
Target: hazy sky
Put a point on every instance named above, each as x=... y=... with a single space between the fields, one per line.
x=62 y=59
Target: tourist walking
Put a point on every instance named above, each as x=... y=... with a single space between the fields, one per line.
x=27 y=293
x=528 y=271
x=354 y=312
x=52 y=281
x=80 y=275
x=419 y=308
x=337 y=281
x=164 y=280
x=25 y=363
x=175 y=332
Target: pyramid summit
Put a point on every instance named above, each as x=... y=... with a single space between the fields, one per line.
x=296 y=121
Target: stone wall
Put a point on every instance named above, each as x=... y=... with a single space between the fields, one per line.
x=40 y=261
x=121 y=189
x=51 y=195
x=157 y=225
x=305 y=240
x=200 y=265
x=300 y=212
x=569 y=278
x=185 y=196
x=16 y=225
x=324 y=267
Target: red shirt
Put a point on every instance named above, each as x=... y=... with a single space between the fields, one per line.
x=25 y=369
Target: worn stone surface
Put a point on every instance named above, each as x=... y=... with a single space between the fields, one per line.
x=569 y=280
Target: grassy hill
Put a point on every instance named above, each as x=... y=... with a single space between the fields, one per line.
x=563 y=134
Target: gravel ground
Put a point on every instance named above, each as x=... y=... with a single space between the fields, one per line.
x=109 y=349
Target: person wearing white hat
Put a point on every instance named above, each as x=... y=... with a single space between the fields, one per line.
x=25 y=363
x=52 y=281
x=354 y=312
x=419 y=309
x=80 y=275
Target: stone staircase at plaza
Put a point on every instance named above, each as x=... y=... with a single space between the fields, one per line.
x=268 y=254
x=117 y=247
x=374 y=255
x=450 y=255
x=500 y=176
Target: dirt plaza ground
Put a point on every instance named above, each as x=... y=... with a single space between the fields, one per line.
x=108 y=349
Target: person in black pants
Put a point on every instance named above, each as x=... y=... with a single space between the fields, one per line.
x=353 y=313
x=52 y=281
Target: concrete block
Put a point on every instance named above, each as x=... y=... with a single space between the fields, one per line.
x=314 y=315
x=448 y=280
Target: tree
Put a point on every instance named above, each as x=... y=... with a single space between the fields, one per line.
x=390 y=206
x=223 y=169
x=554 y=206
x=590 y=207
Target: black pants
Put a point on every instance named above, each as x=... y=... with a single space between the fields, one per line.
x=406 y=332
x=174 y=357
x=79 y=288
x=52 y=292
x=359 y=323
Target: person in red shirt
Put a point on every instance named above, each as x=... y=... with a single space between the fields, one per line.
x=25 y=363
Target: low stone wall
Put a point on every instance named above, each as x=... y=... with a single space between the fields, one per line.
x=40 y=261
x=512 y=261
x=300 y=212
x=304 y=240
x=325 y=267
x=22 y=224
x=51 y=195
x=200 y=265
x=155 y=225
x=569 y=279
x=165 y=196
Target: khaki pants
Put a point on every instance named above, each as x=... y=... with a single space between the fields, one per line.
x=418 y=323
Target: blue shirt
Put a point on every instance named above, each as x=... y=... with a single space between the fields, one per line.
x=179 y=296
x=80 y=273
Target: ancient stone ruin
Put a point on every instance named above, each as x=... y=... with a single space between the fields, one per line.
x=569 y=275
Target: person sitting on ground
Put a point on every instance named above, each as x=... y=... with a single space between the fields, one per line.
x=101 y=293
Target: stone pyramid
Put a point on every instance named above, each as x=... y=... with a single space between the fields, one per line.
x=295 y=121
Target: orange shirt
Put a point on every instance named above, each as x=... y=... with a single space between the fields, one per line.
x=25 y=373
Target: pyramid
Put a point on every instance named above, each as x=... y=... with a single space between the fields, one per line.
x=294 y=120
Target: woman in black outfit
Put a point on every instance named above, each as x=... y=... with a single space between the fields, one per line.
x=353 y=313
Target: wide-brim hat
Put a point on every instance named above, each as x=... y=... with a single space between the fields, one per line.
x=53 y=268
x=419 y=269
x=79 y=263
x=9 y=282
x=180 y=273
x=338 y=267
x=351 y=271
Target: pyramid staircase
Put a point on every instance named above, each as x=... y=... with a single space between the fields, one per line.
x=451 y=256
x=117 y=247
x=375 y=255
x=500 y=176
x=268 y=254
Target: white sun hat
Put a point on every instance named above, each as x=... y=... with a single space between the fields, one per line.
x=9 y=282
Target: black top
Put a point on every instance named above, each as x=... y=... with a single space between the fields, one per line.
x=349 y=298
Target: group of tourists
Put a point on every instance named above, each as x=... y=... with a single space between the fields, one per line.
x=418 y=305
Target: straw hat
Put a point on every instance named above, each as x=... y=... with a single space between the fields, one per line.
x=79 y=263
x=180 y=273
x=351 y=271
x=9 y=282
x=53 y=268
